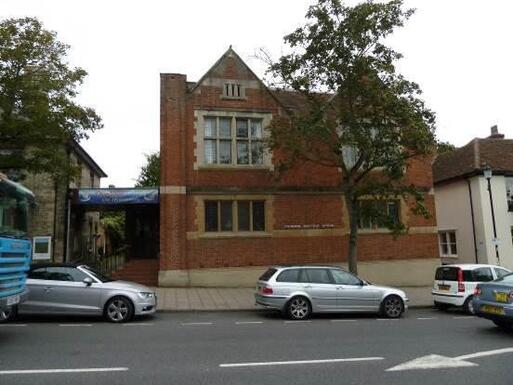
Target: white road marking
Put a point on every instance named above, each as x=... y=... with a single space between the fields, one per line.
x=13 y=325
x=53 y=371
x=435 y=361
x=426 y=318
x=248 y=322
x=273 y=363
x=484 y=353
x=432 y=361
x=196 y=323
x=138 y=324
x=76 y=325
x=464 y=317
x=297 y=322
x=343 y=320
x=387 y=319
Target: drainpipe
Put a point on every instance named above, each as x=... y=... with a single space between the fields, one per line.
x=473 y=220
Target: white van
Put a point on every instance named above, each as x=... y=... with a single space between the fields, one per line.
x=454 y=284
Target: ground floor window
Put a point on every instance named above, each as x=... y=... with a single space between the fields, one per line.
x=234 y=215
x=377 y=213
x=447 y=241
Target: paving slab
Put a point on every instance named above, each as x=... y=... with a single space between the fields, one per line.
x=218 y=298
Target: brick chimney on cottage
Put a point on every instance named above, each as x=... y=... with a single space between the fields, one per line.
x=494 y=133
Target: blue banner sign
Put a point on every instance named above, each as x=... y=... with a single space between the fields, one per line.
x=118 y=196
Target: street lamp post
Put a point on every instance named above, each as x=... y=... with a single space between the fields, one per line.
x=487 y=172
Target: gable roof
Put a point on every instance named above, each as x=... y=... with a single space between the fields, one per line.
x=86 y=158
x=470 y=159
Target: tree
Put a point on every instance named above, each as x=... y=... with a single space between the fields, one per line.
x=442 y=147
x=150 y=172
x=360 y=115
x=38 y=114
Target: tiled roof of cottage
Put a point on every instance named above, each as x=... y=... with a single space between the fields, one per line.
x=495 y=152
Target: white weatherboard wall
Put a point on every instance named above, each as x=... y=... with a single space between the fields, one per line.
x=453 y=213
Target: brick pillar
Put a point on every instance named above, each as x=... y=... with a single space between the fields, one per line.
x=172 y=173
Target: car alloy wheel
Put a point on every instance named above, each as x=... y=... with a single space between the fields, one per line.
x=299 y=308
x=468 y=306
x=393 y=306
x=118 y=310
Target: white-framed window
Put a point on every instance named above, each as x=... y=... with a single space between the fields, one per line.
x=230 y=140
x=447 y=240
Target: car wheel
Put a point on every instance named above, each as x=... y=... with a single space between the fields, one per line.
x=468 y=306
x=299 y=308
x=441 y=306
x=504 y=325
x=118 y=310
x=8 y=314
x=392 y=306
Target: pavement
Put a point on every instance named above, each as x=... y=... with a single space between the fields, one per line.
x=208 y=299
x=425 y=347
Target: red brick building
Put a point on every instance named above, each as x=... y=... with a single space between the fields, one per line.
x=224 y=215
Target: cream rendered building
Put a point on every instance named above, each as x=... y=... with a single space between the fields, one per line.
x=463 y=204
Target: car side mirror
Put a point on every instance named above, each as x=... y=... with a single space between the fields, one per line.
x=88 y=281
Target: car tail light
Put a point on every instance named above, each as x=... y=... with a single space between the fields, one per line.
x=267 y=290
x=461 y=285
x=477 y=291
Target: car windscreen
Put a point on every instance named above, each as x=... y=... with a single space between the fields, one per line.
x=267 y=275
x=506 y=279
x=99 y=276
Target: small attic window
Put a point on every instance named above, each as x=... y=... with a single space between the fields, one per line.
x=233 y=91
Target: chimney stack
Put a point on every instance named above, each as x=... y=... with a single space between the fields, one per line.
x=494 y=133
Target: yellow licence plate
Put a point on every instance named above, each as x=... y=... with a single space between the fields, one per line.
x=501 y=297
x=492 y=309
x=444 y=287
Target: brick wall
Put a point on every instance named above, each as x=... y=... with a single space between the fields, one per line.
x=309 y=223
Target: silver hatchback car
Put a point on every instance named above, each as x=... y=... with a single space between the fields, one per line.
x=299 y=291
x=71 y=289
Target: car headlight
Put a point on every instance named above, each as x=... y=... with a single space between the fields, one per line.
x=146 y=294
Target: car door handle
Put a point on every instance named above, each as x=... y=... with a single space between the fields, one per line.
x=307 y=286
x=48 y=288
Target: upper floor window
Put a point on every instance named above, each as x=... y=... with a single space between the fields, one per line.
x=375 y=213
x=233 y=141
x=233 y=90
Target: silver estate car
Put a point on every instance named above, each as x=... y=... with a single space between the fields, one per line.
x=299 y=291
x=71 y=289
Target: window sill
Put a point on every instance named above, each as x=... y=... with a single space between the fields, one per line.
x=375 y=231
x=233 y=167
x=449 y=256
x=231 y=234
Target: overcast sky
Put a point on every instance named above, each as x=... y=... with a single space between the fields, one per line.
x=459 y=51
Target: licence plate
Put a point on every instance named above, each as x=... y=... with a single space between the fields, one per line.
x=444 y=287
x=501 y=297
x=492 y=309
x=15 y=299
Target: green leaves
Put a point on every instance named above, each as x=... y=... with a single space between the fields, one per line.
x=359 y=114
x=38 y=113
x=150 y=172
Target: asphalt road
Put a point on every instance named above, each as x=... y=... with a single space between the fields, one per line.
x=256 y=348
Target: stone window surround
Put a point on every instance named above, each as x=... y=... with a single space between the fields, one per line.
x=403 y=216
x=199 y=139
x=200 y=216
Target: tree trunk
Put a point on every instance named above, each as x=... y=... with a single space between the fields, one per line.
x=352 y=209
